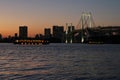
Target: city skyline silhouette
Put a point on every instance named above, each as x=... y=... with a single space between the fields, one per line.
x=38 y=15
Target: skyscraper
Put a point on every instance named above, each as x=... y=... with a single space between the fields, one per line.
x=0 y=36
x=58 y=32
x=47 y=32
x=23 y=32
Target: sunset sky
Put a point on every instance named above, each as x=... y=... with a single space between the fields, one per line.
x=38 y=14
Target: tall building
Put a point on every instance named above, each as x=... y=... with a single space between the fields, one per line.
x=58 y=32
x=0 y=36
x=16 y=35
x=47 y=32
x=23 y=32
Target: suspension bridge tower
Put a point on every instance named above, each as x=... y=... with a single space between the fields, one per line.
x=85 y=22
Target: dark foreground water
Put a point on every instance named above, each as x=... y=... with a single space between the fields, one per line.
x=60 y=62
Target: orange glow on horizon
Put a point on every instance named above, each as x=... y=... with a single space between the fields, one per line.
x=10 y=30
x=10 y=26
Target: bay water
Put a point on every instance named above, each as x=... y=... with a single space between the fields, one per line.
x=60 y=62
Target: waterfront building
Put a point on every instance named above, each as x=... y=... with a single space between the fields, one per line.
x=23 y=32
x=0 y=36
x=16 y=35
x=58 y=32
x=47 y=32
x=38 y=36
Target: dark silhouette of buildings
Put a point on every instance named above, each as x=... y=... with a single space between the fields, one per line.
x=16 y=36
x=103 y=34
x=23 y=32
x=0 y=36
x=47 y=33
x=58 y=33
x=107 y=34
x=39 y=36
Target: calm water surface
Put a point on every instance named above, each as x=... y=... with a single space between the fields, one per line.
x=60 y=62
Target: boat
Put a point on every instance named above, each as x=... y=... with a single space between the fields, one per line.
x=31 y=42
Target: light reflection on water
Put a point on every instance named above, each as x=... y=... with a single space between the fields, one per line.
x=60 y=62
